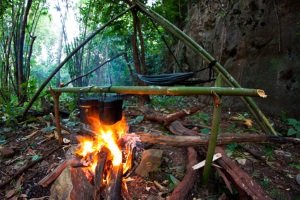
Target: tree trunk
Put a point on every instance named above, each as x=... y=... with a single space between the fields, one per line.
x=20 y=65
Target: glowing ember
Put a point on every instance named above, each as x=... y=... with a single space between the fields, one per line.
x=108 y=136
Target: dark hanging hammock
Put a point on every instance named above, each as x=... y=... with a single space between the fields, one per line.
x=177 y=78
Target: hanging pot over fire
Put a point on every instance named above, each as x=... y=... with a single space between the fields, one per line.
x=108 y=109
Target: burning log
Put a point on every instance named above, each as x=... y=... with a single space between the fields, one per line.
x=102 y=156
x=114 y=186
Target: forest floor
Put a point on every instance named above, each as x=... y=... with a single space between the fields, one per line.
x=273 y=166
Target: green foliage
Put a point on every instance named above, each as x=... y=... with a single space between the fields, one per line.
x=9 y=111
x=265 y=183
x=204 y=117
x=268 y=151
x=295 y=165
x=205 y=130
x=294 y=129
x=231 y=148
x=166 y=101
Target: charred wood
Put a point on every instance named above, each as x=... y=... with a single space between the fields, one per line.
x=102 y=156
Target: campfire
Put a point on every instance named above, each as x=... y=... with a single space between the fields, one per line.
x=100 y=154
x=106 y=160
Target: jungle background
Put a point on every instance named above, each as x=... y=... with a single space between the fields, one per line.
x=258 y=42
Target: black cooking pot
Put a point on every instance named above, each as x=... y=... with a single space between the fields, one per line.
x=110 y=109
x=88 y=107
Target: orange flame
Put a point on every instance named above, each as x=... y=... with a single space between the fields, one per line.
x=108 y=136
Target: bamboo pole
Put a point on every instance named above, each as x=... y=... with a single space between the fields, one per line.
x=164 y=90
x=55 y=96
x=251 y=105
x=214 y=133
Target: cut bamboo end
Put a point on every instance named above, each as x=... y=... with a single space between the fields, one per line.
x=261 y=93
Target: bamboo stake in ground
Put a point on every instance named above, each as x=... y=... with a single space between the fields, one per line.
x=214 y=133
x=55 y=96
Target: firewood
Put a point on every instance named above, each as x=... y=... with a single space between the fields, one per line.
x=102 y=156
x=177 y=128
x=47 y=180
x=114 y=186
x=167 y=119
x=185 y=141
x=240 y=177
x=187 y=183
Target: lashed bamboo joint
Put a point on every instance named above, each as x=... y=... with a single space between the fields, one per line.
x=163 y=90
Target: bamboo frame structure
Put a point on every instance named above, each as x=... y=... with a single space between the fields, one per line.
x=260 y=118
x=214 y=132
x=165 y=90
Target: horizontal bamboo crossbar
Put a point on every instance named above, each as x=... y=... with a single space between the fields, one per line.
x=163 y=90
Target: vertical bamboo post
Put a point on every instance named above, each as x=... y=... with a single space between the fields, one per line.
x=214 y=132
x=55 y=96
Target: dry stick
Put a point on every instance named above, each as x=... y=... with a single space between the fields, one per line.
x=44 y=84
x=93 y=70
x=31 y=164
x=241 y=178
x=47 y=180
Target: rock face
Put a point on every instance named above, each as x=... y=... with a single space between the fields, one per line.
x=258 y=42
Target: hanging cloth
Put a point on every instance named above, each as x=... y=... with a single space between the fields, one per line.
x=177 y=78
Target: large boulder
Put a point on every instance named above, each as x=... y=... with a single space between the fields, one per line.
x=258 y=41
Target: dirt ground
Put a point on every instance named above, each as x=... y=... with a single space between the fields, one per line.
x=273 y=166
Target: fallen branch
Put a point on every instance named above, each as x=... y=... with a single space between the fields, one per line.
x=29 y=165
x=177 y=128
x=187 y=183
x=241 y=178
x=185 y=141
x=168 y=119
x=47 y=180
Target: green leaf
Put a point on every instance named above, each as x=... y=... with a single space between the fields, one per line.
x=137 y=120
x=36 y=157
x=48 y=129
x=292 y=121
x=174 y=180
x=291 y=131
x=205 y=130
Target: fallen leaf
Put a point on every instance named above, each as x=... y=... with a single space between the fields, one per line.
x=248 y=123
x=10 y=193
